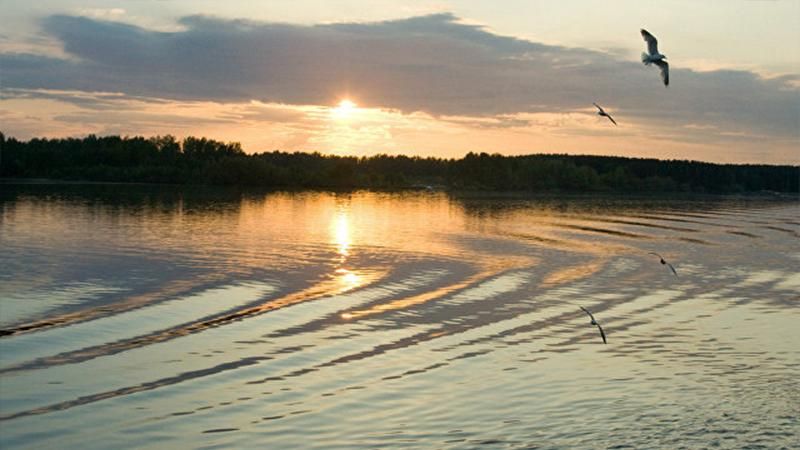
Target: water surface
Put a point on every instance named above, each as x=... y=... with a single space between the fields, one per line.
x=145 y=317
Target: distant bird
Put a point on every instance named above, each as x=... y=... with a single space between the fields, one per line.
x=594 y=322
x=602 y=112
x=663 y=261
x=654 y=57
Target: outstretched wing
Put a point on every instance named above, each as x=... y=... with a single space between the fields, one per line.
x=602 y=333
x=611 y=119
x=673 y=269
x=664 y=71
x=652 y=42
x=586 y=311
x=598 y=106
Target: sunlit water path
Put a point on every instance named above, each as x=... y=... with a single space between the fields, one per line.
x=144 y=317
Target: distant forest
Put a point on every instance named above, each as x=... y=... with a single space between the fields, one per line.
x=164 y=159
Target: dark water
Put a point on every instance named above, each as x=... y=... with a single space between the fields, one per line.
x=150 y=318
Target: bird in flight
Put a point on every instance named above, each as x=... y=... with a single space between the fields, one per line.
x=663 y=261
x=594 y=322
x=654 y=57
x=602 y=112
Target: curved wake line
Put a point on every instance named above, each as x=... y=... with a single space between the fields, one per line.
x=138 y=388
x=176 y=288
x=139 y=322
x=320 y=290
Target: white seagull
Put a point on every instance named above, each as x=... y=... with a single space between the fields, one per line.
x=663 y=261
x=602 y=112
x=594 y=322
x=654 y=57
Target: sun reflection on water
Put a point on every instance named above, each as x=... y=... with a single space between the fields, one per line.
x=341 y=234
x=348 y=279
x=341 y=237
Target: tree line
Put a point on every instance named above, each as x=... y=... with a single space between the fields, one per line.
x=192 y=160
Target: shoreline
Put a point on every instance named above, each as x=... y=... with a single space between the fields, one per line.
x=466 y=193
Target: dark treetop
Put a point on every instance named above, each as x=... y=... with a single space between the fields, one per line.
x=163 y=159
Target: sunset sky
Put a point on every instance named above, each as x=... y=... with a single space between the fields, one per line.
x=437 y=78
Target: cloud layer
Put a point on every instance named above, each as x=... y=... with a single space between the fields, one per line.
x=433 y=64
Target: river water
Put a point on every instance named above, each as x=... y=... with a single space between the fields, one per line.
x=153 y=317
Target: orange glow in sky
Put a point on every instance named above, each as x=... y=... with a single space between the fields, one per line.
x=356 y=81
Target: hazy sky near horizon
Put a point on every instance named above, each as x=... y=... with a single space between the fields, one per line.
x=429 y=78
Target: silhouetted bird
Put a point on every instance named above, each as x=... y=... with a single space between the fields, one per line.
x=594 y=322
x=663 y=261
x=654 y=57
x=603 y=113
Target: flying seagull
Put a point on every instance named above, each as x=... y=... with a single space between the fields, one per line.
x=594 y=322
x=602 y=112
x=663 y=261
x=654 y=57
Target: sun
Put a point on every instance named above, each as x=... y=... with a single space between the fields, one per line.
x=344 y=109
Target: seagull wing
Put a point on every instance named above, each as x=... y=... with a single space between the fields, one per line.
x=673 y=269
x=598 y=107
x=587 y=312
x=602 y=333
x=652 y=42
x=611 y=119
x=664 y=66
